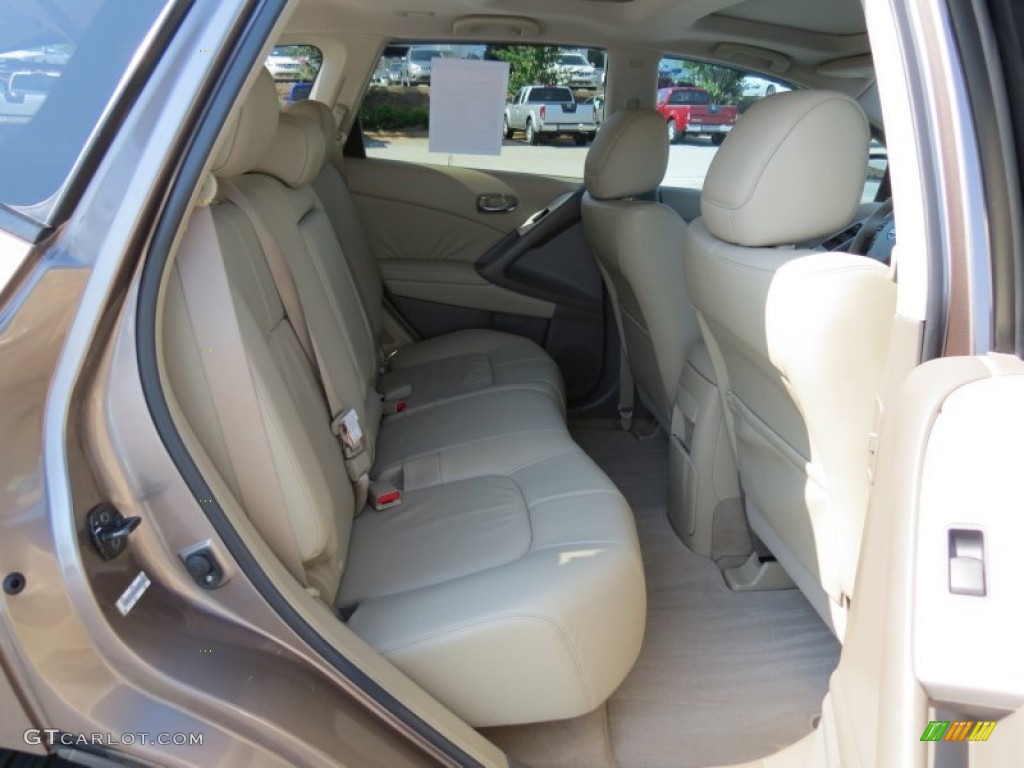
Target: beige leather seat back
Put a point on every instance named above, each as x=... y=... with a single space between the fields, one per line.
x=798 y=338
x=315 y=490
x=343 y=213
x=638 y=245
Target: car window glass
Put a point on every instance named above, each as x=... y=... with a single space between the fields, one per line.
x=59 y=69
x=701 y=102
x=294 y=69
x=878 y=163
x=569 y=85
x=688 y=96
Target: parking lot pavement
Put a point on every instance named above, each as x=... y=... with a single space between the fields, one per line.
x=687 y=166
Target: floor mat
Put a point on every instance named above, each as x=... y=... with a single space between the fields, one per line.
x=723 y=677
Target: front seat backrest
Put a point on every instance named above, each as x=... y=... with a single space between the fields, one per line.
x=638 y=245
x=798 y=338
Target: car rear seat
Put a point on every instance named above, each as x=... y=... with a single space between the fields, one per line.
x=446 y=365
x=508 y=582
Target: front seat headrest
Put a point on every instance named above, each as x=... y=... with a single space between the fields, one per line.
x=629 y=155
x=249 y=134
x=791 y=170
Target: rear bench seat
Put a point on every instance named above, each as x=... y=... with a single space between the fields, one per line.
x=450 y=364
x=508 y=581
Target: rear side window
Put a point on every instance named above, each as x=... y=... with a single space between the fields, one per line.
x=568 y=83
x=294 y=69
x=60 y=65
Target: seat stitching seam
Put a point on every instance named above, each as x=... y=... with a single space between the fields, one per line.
x=574 y=495
x=535 y=462
x=470 y=443
x=426 y=640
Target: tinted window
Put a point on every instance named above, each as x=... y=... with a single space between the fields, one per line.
x=550 y=94
x=689 y=97
x=60 y=64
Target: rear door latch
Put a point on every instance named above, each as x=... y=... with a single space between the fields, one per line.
x=109 y=529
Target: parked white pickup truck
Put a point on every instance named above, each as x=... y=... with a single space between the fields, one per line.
x=549 y=110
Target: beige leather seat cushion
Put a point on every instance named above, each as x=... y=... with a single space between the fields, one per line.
x=515 y=598
x=470 y=360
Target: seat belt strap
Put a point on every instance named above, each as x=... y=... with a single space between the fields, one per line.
x=627 y=388
x=215 y=324
x=357 y=458
x=277 y=264
x=626 y=384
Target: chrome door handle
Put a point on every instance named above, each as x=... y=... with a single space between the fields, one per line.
x=497 y=203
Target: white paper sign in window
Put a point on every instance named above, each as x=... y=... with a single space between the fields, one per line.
x=467 y=101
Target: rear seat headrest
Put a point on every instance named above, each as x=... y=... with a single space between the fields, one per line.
x=249 y=134
x=296 y=153
x=628 y=157
x=319 y=113
x=791 y=170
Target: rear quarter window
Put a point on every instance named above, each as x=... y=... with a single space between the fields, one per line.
x=294 y=69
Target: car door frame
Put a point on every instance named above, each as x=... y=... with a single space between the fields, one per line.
x=936 y=71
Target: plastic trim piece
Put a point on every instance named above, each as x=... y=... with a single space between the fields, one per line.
x=21 y=226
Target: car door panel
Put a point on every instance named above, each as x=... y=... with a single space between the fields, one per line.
x=448 y=266
x=458 y=284
x=417 y=211
x=920 y=647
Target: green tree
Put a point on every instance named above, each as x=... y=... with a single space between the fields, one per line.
x=310 y=59
x=724 y=84
x=529 y=64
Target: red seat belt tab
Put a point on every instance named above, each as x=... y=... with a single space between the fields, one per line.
x=394 y=400
x=384 y=495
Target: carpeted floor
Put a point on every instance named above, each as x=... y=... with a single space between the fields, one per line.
x=723 y=677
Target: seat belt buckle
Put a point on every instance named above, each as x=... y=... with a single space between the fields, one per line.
x=385 y=354
x=345 y=427
x=395 y=399
x=384 y=495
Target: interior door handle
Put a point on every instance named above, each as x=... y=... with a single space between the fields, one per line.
x=497 y=202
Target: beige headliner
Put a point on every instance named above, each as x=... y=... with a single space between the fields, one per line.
x=807 y=31
x=787 y=39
